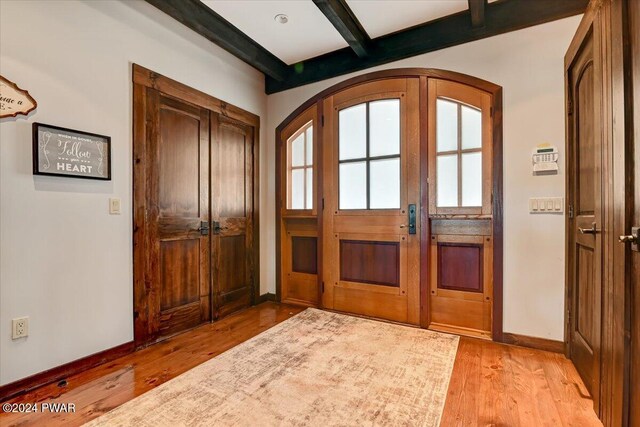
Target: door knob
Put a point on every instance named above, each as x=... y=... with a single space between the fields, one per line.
x=592 y=230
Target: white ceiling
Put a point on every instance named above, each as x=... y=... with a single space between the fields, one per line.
x=380 y=17
x=309 y=33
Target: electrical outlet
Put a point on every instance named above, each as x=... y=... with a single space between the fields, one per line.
x=20 y=327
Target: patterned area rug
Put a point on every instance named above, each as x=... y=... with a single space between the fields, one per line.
x=315 y=369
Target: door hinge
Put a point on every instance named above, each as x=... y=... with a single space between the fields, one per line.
x=322 y=287
x=490 y=111
x=569 y=106
x=322 y=120
x=323 y=203
x=570 y=211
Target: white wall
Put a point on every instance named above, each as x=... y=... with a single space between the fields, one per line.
x=64 y=261
x=528 y=64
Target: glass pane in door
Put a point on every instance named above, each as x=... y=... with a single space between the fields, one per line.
x=353 y=185
x=384 y=188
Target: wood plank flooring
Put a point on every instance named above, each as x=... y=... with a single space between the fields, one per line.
x=492 y=384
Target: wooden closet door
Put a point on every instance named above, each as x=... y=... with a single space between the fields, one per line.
x=232 y=148
x=585 y=139
x=633 y=162
x=371 y=257
x=178 y=176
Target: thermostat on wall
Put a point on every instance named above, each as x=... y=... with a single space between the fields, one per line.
x=545 y=160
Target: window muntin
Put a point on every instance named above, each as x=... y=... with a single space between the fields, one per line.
x=458 y=154
x=369 y=155
x=300 y=168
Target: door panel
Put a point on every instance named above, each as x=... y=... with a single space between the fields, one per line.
x=179 y=173
x=182 y=200
x=585 y=237
x=232 y=210
x=179 y=261
x=377 y=263
x=369 y=180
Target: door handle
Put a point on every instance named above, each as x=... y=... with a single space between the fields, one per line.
x=592 y=230
x=204 y=228
x=633 y=238
x=217 y=228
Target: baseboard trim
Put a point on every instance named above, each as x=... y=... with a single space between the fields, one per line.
x=533 y=342
x=266 y=297
x=61 y=372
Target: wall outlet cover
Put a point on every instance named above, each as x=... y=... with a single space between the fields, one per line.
x=20 y=327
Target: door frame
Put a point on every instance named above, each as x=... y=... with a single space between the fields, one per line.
x=618 y=204
x=423 y=74
x=145 y=80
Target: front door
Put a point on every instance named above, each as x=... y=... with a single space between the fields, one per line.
x=585 y=136
x=371 y=201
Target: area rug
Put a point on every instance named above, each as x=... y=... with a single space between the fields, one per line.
x=315 y=369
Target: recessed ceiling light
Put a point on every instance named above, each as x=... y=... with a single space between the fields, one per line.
x=281 y=18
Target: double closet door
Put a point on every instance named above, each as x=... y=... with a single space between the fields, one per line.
x=198 y=224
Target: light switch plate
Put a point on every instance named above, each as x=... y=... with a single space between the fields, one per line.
x=114 y=206
x=546 y=205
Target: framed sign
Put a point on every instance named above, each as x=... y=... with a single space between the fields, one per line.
x=71 y=153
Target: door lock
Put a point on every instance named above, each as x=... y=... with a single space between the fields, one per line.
x=633 y=238
x=412 y=219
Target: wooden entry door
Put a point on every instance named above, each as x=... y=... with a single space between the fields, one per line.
x=370 y=190
x=232 y=215
x=179 y=214
x=585 y=142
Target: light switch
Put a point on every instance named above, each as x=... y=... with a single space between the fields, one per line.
x=114 y=206
x=557 y=204
x=552 y=205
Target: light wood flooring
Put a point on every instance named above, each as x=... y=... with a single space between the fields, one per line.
x=492 y=384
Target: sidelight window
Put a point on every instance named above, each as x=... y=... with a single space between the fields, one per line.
x=369 y=155
x=459 y=154
x=460 y=149
x=300 y=168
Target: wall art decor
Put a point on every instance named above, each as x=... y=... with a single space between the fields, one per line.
x=70 y=153
x=13 y=100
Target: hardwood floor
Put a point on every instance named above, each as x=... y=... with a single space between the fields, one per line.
x=492 y=384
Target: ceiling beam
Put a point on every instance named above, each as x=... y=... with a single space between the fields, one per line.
x=500 y=17
x=476 y=9
x=344 y=20
x=204 y=21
